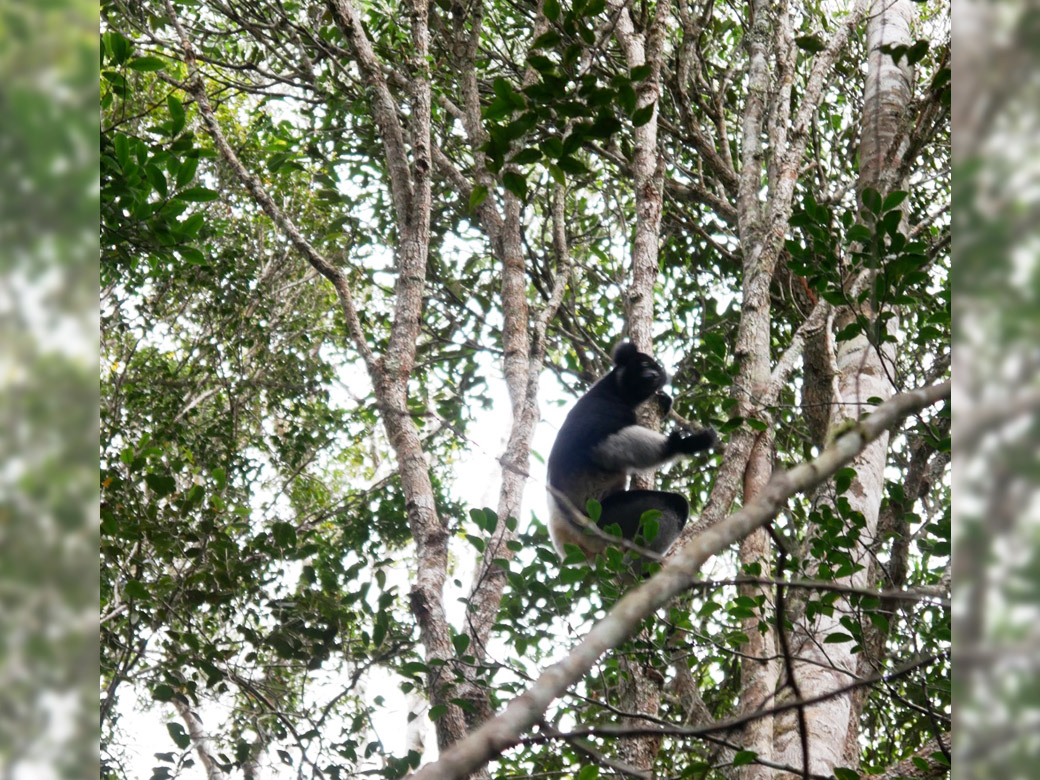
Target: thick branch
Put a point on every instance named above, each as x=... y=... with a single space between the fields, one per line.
x=679 y=573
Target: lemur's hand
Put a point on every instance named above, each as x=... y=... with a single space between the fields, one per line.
x=686 y=443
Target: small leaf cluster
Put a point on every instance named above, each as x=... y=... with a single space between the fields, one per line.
x=563 y=111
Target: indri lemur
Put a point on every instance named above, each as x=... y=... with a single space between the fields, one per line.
x=601 y=444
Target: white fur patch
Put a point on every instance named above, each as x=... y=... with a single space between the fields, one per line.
x=632 y=449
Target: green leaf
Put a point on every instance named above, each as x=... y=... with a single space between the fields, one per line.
x=605 y=126
x=162 y=692
x=744 y=757
x=192 y=255
x=593 y=509
x=161 y=484
x=187 y=171
x=198 y=195
x=190 y=226
x=639 y=72
x=858 y=234
x=588 y=772
x=551 y=9
x=546 y=40
x=379 y=633
x=176 y=109
x=504 y=90
x=178 y=735
x=810 y=43
x=843 y=773
x=499 y=108
x=709 y=608
x=477 y=196
x=277 y=160
x=486 y=519
x=880 y=621
x=414 y=669
x=146 y=64
x=850 y=331
x=641 y=116
x=515 y=183
x=136 y=589
x=572 y=574
x=541 y=63
x=917 y=52
x=843 y=479
x=284 y=534
x=122 y=146
x=890 y=222
x=552 y=146
x=871 y=200
x=118 y=47
x=893 y=200
x=156 y=178
x=649 y=525
x=115 y=79
x=837 y=638
x=572 y=166
x=526 y=156
x=461 y=642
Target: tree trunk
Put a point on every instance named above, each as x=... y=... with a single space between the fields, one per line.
x=642 y=684
x=863 y=372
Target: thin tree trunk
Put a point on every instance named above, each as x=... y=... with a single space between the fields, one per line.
x=642 y=684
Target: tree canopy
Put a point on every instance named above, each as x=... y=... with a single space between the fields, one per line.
x=342 y=241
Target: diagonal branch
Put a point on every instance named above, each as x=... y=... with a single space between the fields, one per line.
x=506 y=729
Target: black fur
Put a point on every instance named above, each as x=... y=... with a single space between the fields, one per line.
x=601 y=444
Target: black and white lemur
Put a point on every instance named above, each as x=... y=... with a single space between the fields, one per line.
x=601 y=444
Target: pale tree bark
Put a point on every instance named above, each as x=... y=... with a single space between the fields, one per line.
x=199 y=739
x=647 y=165
x=862 y=371
x=763 y=225
x=885 y=139
x=641 y=685
x=768 y=116
x=758 y=671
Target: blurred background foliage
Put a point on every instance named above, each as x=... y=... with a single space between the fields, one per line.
x=997 y=389
x=48 y=388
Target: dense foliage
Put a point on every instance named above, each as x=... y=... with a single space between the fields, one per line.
x=256 y=557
